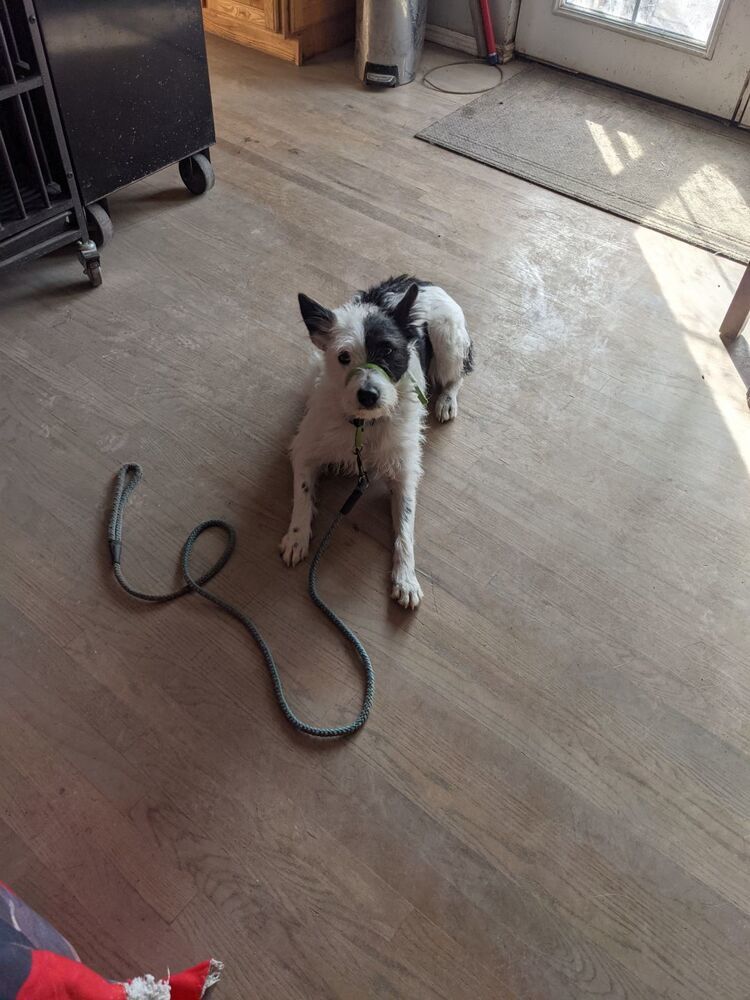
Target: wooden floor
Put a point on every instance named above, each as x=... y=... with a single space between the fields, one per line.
x=552 y=798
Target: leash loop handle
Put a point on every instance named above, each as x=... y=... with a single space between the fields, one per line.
x=127 y=479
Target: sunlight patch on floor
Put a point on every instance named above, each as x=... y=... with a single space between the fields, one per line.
x=604 y=144
x=707 y=186
x=631 y=145
x=699 y=310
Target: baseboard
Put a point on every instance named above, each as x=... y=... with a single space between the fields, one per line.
x=451 y=39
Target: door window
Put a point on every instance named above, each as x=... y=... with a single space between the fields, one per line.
x=687 y=24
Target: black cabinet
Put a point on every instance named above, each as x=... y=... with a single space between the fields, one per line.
x=131 y=80
x=40 y=208
x=95 y=94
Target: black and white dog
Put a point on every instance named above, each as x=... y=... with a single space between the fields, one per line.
x=376 y=348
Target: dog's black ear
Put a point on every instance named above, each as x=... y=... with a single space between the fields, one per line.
x=318 y=320
x=401 y=311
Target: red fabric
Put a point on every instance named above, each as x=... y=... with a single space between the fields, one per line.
x=37 y=963
x=54 y=977
x=188 y=985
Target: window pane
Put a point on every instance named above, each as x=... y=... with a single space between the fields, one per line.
x=690 y=18
x=623 y=9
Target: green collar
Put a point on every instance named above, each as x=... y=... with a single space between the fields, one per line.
x=369 y=364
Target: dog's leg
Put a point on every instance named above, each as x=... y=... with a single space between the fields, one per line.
x=451 y=361
x=446 y=404
x=451 y=347
x=296 y=542
x=406 y=589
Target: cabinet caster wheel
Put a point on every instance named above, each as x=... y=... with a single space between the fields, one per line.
x=94 y=274
x=99 y=223
x=88 y=254
x=197 y=173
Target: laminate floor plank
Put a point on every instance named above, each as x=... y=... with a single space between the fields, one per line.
x=552 y=797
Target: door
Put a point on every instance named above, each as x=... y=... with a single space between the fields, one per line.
x=693 y=52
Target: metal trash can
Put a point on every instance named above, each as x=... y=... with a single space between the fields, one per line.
x=390 y=36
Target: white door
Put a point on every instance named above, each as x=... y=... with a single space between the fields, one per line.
x=693 y=52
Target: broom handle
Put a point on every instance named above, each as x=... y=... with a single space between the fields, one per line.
x=489 y=33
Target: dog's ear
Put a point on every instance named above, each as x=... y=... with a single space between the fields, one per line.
x=318 y=320
x=401 y=311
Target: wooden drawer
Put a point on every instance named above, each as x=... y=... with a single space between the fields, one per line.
x=294 y=30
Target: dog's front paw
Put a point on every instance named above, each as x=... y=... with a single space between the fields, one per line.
x=446 y=407
x=294 y=546
x=406 y=590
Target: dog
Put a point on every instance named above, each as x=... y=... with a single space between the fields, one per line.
x=379 y=352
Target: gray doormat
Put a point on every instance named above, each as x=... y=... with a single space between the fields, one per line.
x=665 y=168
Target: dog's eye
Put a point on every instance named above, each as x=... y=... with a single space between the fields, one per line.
x=344 y=358
x=387 y=350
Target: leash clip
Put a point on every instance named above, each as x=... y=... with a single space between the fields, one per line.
x=359 y=439
x=362 y=479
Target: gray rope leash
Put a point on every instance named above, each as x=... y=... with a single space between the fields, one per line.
x=127 y=479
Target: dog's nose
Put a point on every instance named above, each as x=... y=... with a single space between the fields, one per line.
x=368 y=397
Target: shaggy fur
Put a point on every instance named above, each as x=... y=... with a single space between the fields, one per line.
x=416 y=333
x=148 y=988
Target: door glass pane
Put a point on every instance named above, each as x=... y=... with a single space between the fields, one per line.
x=689 y=18
x=624 y=9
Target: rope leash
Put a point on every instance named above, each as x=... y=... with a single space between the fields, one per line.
x=128 y=478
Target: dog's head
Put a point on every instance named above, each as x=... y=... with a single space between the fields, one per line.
x=358 y=334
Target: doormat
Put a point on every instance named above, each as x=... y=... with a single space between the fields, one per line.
x=663 y=167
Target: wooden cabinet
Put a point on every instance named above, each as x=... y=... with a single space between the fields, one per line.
x=294 y=30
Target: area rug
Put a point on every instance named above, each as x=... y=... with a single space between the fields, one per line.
x=666 y=168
